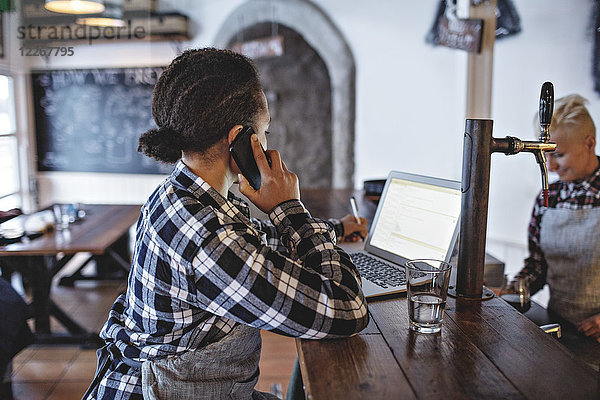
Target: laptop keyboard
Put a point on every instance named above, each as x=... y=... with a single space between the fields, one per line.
x=378 y=272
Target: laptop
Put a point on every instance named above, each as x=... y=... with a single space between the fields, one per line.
x=417 y=217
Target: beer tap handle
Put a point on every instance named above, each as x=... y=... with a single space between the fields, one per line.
x=546 y=110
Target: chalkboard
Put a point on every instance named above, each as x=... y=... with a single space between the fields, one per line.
x=90 y=120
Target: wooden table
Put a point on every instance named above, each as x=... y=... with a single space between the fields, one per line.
x=101 y=227
x=486 y=350
x=42 y=258
x=583 y=347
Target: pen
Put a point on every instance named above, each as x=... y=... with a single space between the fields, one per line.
x=354 y=209
x=355 y=213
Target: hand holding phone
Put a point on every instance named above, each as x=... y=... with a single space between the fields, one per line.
x=241 y=150
x=278 y=183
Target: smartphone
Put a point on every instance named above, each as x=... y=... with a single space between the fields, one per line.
x=241 y=150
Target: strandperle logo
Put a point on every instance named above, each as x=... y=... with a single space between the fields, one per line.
x=79 y=32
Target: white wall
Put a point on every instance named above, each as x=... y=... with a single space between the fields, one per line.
x=410 y=97
x=556 y=44
x=404 y=98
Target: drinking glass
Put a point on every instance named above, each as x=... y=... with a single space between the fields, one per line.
x=427 y=288
x=61 y=216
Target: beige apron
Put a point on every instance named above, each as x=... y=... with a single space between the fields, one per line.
x=570 y=240
x=226 y=369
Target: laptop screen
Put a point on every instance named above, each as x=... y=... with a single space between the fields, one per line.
x=417 y=218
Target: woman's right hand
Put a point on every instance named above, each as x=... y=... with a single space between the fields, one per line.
x=277 y=183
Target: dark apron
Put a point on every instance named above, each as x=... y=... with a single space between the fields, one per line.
x=227 y=369
x=570 y=240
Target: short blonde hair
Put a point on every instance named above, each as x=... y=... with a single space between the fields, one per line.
x=570 y=111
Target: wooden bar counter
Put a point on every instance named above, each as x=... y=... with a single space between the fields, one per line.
x=486 y=350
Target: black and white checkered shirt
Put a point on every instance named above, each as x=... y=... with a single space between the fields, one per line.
x=201 y=266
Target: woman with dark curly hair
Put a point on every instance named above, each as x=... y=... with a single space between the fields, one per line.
x=205 y=277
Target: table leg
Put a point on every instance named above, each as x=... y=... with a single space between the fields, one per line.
x=75 y=276
x=38 y=271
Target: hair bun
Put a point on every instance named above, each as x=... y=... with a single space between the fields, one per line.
x=161 y=143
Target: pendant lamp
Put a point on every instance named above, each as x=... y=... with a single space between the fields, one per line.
x=111 y=16
x=75 y=6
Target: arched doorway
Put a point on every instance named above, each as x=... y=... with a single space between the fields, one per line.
x=298 y=90
x=307 y=22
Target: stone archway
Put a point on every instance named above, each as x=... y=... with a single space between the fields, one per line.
x=322 y=35
x=298 y=90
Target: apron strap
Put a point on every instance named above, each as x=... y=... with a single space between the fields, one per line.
x=106 y=355
x=101 y=368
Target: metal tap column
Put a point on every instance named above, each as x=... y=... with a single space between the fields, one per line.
x=477 y=151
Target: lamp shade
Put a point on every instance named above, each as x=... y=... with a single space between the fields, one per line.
x=75 y=6
x=111 y=16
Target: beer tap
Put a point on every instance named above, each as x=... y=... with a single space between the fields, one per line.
x=479 y=144
x=512 y=145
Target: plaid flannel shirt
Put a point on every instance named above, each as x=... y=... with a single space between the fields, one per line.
x=571 y=195
x=201 y=266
